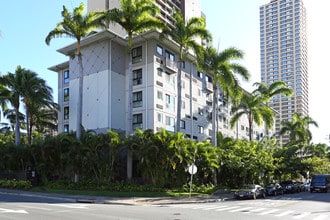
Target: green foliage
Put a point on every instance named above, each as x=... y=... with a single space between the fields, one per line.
x=15 y=184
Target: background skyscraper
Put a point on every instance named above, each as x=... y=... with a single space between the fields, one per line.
x=283 y=55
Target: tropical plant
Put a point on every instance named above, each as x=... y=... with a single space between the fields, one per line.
x=298 y=128
x=186 y=34
x=224 y=70
x=135 y=17
x=267 y=92
x=78 y=26
x=255 y=111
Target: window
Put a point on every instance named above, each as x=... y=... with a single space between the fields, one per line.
x=137 y=77
x=137 y=121
x=159 y=50
x=169 y=102
x=66 y=128
x=182 y=124
x=66 y=113
x=169 y=55
x=66 y=76
x=137 y=99
x=160 y=95
x=66 y=94
x=160 y=117
x=200 y=129
x=169 y=121
x=137 y=54
x=160 y=72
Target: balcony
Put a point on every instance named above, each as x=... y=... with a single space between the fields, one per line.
x=171 y=65
x=208 y=87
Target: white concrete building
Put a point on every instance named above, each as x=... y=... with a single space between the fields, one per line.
x=105 y=89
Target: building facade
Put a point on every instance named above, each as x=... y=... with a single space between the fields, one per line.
x=105 y=84
x=283 y=56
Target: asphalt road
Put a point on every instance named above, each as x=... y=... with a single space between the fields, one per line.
x=17 y=206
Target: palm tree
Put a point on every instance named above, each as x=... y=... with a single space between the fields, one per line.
x=135 y=17
x=185 y=34
x=12 y=83
x=78 y=26
x=268 y=92
x=255 y=110
x=298 y=128
x=224 y=70
x=36 y=95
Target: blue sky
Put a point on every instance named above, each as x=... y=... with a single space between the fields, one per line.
x=25 y=25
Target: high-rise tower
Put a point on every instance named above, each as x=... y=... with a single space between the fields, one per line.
x=283 y=55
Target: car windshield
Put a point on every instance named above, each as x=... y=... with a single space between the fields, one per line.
x=318 y=179
x=271 y=185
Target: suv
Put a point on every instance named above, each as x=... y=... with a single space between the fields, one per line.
x=320 y=183
x=290 y=186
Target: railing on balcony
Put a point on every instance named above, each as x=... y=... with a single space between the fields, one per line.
x=171 y=65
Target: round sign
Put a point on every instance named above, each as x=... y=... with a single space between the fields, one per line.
x=192 y=169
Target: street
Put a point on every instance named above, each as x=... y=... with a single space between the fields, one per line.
x=315 y=206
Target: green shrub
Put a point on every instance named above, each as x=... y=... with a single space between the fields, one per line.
x=16 y=184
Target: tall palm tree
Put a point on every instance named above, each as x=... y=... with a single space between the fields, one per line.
x=298 y=128
x=36 y=95
x=135 y=17
x=255 y=110
x=78 y=26
x=12 y=83
x=267 y=92
x=186 y=34
x=222 y=66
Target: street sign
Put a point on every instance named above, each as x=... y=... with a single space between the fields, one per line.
x=192 y=169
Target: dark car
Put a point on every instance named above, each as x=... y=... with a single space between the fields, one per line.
x=274 y=189
x=250 y=191
x=290 y=186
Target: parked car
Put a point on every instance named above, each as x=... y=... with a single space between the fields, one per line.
x=274 y=189
x=290 y=186
x=250 y=191
x=320 y=183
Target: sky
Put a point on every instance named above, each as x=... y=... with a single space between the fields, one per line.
x=232 y=23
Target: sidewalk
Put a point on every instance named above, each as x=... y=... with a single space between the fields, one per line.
x=218 y=197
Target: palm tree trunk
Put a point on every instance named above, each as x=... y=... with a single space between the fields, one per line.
x=214 y=125
x=129 y=124
x=80 y=97
x=178 y=116
x=17 y=127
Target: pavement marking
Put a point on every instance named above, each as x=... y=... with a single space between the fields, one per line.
x=269 y=211
x=213 y=207
x=34 y=207
x=228 y=208
x=20 y=211
x=72 y=206
x=285 y=213
x=258 y=210
x=241 y=209
x=302 y=215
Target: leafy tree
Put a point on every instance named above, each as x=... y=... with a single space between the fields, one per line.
x=78 y=26
x=186 y=34
x=255 y=110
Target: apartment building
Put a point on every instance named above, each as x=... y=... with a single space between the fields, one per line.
x=105 y=85
x=105 y=89
x=283 y=55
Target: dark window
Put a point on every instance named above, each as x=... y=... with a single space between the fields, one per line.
x=137 y=54
x=66 y=113
x=182 y=124
x=137 y=121
x=66 y=128
x=66 y=76
x=169 y=55
x=66 y=94
x=137 y=99
x=137 y=77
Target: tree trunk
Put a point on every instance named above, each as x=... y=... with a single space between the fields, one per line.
x=80 y=97
x=129 y=124
x=17 y=127
x=178 y=116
